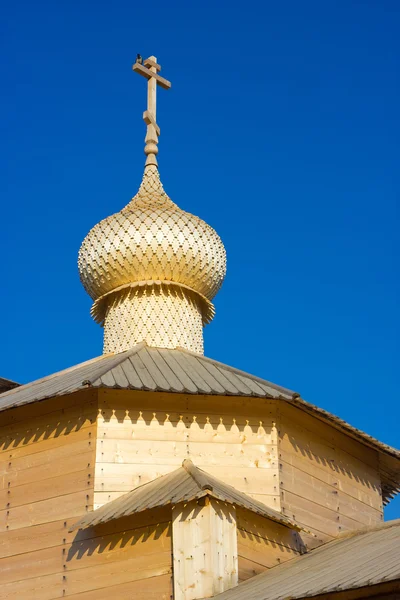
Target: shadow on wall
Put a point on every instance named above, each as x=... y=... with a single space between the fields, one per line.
x=337 y=465
x=120 y=543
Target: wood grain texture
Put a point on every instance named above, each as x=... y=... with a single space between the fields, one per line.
x=204 y=549
x=46 y=474
x=263 y=544
x=46 y=483
x=230 y=441
x=328 y=482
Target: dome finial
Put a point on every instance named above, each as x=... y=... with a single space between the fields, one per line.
x=150 y=69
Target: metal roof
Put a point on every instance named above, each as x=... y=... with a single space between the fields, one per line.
x=363 y=558
x=147 y=368
x=182 y=485
x=7 y=384
x=181 y=371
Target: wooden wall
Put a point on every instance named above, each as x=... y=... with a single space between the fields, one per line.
x=329 y=482
x=47 y=458
x=47 y=453
x=142 y=435
x=204 y=548
x=263 y=544
x=125 y=558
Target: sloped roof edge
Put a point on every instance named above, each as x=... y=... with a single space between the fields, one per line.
x=184 y=484
x=361 y=558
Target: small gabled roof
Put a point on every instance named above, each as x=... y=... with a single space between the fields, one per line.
x=182 y=485
x=355 y=560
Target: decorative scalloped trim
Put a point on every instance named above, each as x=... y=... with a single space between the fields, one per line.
x=99 y=307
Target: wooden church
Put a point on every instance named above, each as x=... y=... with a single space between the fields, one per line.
x=153 y=472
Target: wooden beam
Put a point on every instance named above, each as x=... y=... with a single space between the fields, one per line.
x=149 y=120
x=164 y=83
x=151 y=63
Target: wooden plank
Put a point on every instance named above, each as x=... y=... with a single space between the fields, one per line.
x=135 y=569
x=86 y=432
x=101 y=498
x=31 y=564
x=36 y=588
x=262 y=551
x=45 y=489
x=298 y=423
x=174 y=452
x=29 y=412
x=305 y=485
x=200 y=531
x=29 y=539
x=335 y=462
x=54 y=586
x=252 y=524
x=115 y=477
x=329 y=496
x=310 y=514
x=272 y=500
x=50 y=425
x=154 y=516
x=248 y=480
x=84 y=554
x=349 y=507
x=247 y=407
x=248 y=568
x=368 y=495
x=153 y=588
x=118 y=547
x=15 y=468
x=65 y=465
x=63 y=507
x=48 y=535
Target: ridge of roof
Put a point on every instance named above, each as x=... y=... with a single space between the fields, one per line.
x=184 y=484
x=198 y=475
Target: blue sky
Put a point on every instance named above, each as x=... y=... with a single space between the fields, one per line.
x=281 y=130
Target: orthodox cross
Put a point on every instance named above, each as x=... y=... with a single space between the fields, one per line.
x=150 y=69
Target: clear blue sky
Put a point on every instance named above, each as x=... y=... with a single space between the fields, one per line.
x=281 y=130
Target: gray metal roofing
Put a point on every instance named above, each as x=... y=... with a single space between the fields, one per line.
x=181 y=371
x=146 y=368
x=186 y=483
x=365 y=558
x=7 y=384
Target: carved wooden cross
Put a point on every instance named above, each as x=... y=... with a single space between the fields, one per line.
x=150 y=69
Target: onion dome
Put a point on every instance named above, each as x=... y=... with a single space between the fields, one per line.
x=152 y=269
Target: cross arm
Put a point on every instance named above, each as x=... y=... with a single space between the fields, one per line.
x=138 y=68
x=151 y=63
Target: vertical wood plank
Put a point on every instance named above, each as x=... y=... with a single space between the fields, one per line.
x=204 y=541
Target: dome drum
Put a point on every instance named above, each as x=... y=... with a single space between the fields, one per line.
x=161 y=315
